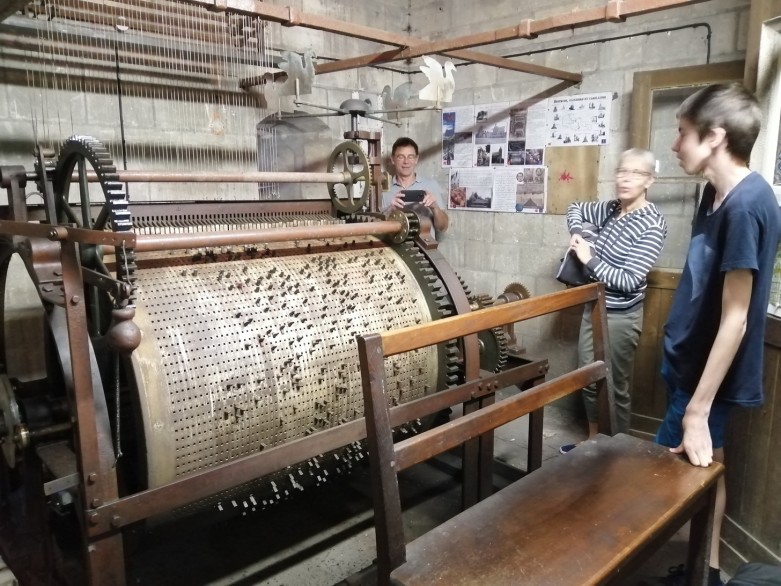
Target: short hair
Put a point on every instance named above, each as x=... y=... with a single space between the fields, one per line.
x=404 y=141
x=646 y=156
x=728 y=106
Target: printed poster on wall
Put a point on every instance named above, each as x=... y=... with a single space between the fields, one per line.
x=518 y=189
x=471 y=189
x=491 y=124
x=457 y=136
x=526 y=141
x=579 y=120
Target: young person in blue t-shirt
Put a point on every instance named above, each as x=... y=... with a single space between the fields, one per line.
x=713 y=338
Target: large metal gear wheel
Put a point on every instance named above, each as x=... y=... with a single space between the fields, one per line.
x=493 y=342
x=348 y=157
x=77 y=153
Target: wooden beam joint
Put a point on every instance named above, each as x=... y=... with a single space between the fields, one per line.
x=525 y=29
x=613 y=11
x=293 y=17
x=218 y=6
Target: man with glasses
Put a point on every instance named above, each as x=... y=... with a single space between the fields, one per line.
x=630 y=233
x=405 y=160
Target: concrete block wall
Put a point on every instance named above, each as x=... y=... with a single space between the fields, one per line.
x=491 y=250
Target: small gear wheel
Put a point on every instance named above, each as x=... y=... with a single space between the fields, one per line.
x=493 y=342
x=515 y=292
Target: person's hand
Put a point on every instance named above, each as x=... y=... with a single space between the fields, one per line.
x=397 y=202
x=581 y=248
x=430 y=201
x=696 y=442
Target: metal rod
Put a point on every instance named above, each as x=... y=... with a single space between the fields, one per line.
x=239 y=177
x=156 y=242
x=36 y=434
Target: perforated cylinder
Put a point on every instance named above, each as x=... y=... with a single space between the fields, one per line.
x=241 y=355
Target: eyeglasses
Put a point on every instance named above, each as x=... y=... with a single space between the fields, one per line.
x=633 y=173
x=402 y=158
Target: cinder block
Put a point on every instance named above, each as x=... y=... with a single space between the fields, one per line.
x=504 y=258
x=554 y=231
x=452 y=250
x=507 y=228
x=621 y=53
x=477 y=226
x=482 y=281
x=478 y=255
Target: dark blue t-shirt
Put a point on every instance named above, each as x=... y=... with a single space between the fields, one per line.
x=743 y=233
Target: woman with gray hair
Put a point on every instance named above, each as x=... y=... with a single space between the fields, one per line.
x=631 y=233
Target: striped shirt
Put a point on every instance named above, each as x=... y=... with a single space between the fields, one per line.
x=625 y=249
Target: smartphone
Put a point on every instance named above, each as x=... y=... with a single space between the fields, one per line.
x=413 y=195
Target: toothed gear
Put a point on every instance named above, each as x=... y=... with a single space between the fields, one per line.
x=114 y=214
x=42 y=173
x=480 y=301
x=348 y=153
x=518 y=289
x=439 y=300
x=493 y=342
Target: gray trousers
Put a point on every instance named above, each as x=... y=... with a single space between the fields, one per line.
x=623 y=335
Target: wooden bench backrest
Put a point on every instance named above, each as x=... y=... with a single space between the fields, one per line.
x=387 y=458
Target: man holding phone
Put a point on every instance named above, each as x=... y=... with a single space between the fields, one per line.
x=408 y=191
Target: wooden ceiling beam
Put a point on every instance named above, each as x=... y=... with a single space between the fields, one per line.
x=288 y=16
x=612 y=11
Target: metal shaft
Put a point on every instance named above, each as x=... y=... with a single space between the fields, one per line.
x=155 y=242
x=208 y=177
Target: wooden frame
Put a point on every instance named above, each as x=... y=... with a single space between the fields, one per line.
x=646 y=82
x=374 y=348
x=536 y=526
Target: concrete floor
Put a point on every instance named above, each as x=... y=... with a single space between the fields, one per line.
x=323 y=539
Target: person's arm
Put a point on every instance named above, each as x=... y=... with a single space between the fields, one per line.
x=638 y=263
x=578 y=212
x=735 y=299
x=392 y=202
x=441 y=221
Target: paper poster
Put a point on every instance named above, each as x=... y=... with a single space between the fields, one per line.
x=579 y=120
x=526 y=141
x=492 y=122
x=457 y=136
x=522 y=189
x=536 y=126
x=471 y=189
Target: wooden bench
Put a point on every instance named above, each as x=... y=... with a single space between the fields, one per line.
x=588 y=517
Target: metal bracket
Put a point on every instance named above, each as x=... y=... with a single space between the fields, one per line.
x=117 y=289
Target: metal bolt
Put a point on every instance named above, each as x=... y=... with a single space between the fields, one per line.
x=96 y=503
x=94 y=518
x=75 y=300
x=92 y=478
x=116 y=521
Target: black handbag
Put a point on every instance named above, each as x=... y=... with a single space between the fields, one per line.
x=573 y=272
